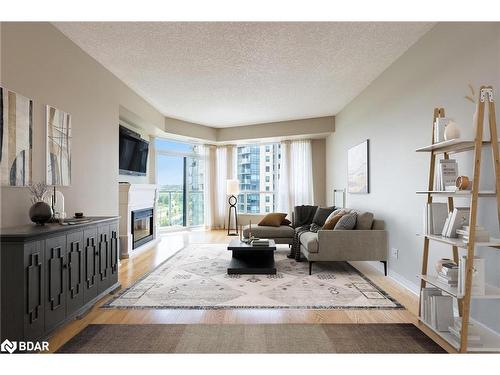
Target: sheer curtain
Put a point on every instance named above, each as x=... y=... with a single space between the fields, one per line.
x=209 y=182
x=220 y=165
x=295 y=185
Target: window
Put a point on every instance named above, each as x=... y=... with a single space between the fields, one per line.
x=255 y=179
x=180 y=173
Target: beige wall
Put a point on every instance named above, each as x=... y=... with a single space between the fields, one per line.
x=319 y=171
x=41 y=63
x=395 y=114
x=318 y=125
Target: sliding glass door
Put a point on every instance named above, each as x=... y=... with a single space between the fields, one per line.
x=170 y=177
x=180 y=178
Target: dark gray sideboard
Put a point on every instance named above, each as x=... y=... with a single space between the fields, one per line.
x=52 y=274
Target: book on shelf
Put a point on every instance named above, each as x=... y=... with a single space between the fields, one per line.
x=482 y=235
x=446 y=175
x=473 y=338
x=435 y=215
x=478 y=276
x=426 y=293
x=437 y=309
x=260 y=242
x=446 y=225
x=458 y=218
x=447 y=281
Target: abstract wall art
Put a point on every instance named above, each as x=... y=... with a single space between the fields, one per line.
x=16 y=138
x=357 y=169
x=58 y=147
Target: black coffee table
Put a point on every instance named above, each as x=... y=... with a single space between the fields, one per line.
x=251 y=260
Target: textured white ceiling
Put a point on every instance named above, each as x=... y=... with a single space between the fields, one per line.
x=232 y=73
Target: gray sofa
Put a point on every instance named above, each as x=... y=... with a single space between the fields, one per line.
x=346 y=245
x=332 y=245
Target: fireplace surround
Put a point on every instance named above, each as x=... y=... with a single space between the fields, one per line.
x=138 y=224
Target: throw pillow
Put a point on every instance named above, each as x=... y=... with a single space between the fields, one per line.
x=322 y=214
x=273 y=219
x=364 y=221
x=286 y=222
x=332 y=221
x=347 y=222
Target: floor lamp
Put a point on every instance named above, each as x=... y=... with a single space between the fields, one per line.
x=233 y=189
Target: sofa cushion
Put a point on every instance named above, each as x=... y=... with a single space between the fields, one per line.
x=273 y=219
x=286 y=222
x=347 y=222
x=364 y=221
x=322 y=214
x=310 y=241
x=283 y=231
x=332 y=221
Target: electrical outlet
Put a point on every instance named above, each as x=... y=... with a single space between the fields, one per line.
x=395 y=253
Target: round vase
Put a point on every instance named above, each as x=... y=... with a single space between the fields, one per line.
x=451 y=131
x=40 y=213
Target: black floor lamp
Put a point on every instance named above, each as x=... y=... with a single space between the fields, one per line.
x=233 y=189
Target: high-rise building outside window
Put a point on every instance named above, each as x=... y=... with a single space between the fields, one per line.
x=257 y=172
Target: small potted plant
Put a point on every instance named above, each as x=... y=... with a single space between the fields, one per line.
x=40 y=212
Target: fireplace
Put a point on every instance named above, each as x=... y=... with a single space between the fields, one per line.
x=142 y=227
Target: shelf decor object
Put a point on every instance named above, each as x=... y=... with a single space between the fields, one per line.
x=489 y=341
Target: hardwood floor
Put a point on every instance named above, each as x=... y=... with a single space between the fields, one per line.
x=135 y=267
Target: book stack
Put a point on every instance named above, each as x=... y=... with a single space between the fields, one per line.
x=448 y=274
x=478 y=276
x=482 y=235
x=456 y=220
x=436 y=309
x=260 y=242
x=446 y=175
x=473 y=338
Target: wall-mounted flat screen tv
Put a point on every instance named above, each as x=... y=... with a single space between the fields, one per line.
x=133 y=153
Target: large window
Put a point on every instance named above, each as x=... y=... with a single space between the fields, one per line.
x=180 y=177
x=258 y=172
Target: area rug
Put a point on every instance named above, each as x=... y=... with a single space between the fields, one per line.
x=196 y=278
x=253 y=338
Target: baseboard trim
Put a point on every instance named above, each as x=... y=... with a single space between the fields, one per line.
x=401 y=280
x=404 y=282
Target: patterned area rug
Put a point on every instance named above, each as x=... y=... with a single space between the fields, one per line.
x=251 y=338
x=196 y=278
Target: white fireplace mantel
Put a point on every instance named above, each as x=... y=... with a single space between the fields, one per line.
x=135 y=197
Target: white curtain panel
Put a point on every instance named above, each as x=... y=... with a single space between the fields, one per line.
x=220 y=187
x=210 y=178
x=295 y=185
x=284 y=195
